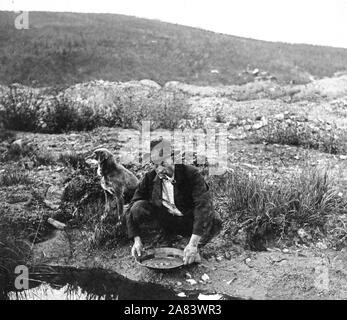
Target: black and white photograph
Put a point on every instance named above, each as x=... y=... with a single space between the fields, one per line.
x=176 y=150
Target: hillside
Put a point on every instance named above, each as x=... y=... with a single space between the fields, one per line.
x=67 y=48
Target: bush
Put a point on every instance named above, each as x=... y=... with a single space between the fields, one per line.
x=28 y=110
x=165 y=110
x=20 y=109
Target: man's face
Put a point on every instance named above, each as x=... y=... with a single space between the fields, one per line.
x=165 y=167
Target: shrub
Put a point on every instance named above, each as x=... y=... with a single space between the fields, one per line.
x=28 y=110
x=20 y=109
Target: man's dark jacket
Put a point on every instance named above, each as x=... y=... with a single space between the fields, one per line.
x=192 y=195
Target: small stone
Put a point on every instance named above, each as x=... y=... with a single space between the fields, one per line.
x=230 y=281
x=285 y=250
x=209 y=296
x=219 y=258
x=227 y=255
x=205 y=277
x=257 y=125
x=303 y=234
x=188 y=275
x=179 y=283
x=321 y=245
x=279 y=117
x=191 y=281
x=343 y=157
x=181 y=295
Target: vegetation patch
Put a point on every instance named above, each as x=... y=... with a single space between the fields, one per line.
x=323 y=136
x=27 y=109
x=266 y=210
x=12 y=177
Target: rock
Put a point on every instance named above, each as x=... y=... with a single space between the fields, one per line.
x=227 y=255
x=150 y=83
x=230 y=281
x=51 y=205
x=17 y=144
x=57 y=224
x=255 y=71
x=303 y=234
x=205 y=277
x=258 y=125
x=321 y=245
x=279 y=117
x=209 y=296
x=285 y=250
x=181 y=295
x=219 y=258
x=53 y=197
x=343 y=157
x=191 y=281
x=179 y=283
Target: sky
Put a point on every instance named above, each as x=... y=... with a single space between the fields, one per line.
x=321 y=22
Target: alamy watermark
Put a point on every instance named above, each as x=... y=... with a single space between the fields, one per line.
x=22 y=20
x=189 y=146
x=21 y=281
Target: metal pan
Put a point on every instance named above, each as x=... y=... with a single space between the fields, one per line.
x=161 y=259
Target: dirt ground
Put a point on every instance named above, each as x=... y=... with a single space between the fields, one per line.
x=297 y=272
x=312 y=271
x=290 y=273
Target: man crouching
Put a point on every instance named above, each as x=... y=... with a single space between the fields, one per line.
x=178 y=198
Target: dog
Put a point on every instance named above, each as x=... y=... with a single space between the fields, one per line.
x=116 y=180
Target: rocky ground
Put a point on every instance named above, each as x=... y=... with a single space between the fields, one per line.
x=302 y=271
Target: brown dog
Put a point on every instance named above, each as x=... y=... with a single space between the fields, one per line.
x=116 y=180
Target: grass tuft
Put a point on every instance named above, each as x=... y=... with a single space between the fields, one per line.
x=10 y=178
x=268 y=210
x=324 y=137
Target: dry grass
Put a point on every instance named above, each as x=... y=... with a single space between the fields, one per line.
x=270 y=210
x=10 y=178
x=324 y=137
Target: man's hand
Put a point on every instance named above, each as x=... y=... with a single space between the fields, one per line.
x=191 y=253
x=137 y=248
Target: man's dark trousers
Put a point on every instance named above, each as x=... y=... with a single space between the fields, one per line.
x=142 y=212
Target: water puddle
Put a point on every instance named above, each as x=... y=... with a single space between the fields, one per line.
x=64 y=283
